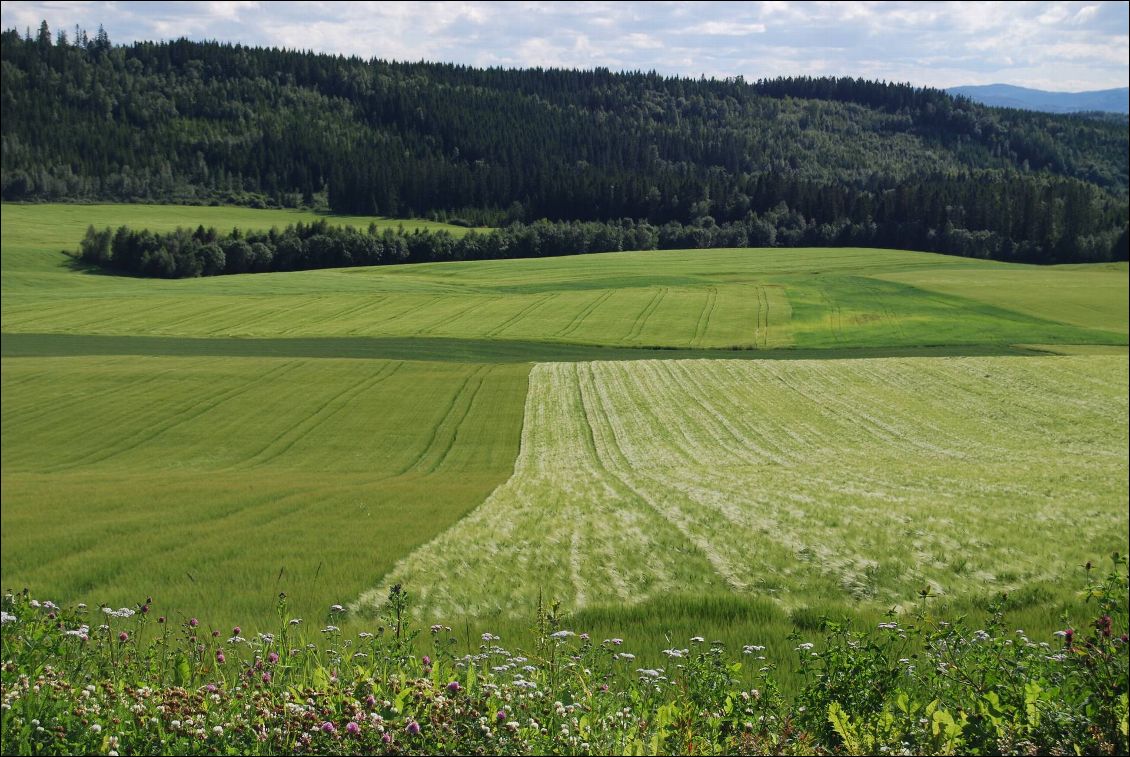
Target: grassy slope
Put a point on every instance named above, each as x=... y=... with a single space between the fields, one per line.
x=800 y=303
x=819 y=484
x=761 y=299
x=1085 y=295
x=217 y=482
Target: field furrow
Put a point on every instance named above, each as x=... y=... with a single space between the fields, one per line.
x=584 y=313
x=285 y=440
x=169 y=421
x=703 y=323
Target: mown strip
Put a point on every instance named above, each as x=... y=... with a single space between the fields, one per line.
x=444 y=350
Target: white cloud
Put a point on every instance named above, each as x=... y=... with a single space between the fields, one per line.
x=726 y=28
x=229 y=10
x=1085 y=14
x=640 y=41
x=1051 y=45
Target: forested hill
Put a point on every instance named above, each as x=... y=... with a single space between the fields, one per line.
x=838 y=159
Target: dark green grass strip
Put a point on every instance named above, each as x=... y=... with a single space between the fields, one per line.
x=445 y=350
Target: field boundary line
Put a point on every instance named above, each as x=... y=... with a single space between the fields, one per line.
x=374 y=596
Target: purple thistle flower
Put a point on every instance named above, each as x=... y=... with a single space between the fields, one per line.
x=328 y=727
x=123 y=637
x=387 y=737
x=193 y=622
x=413 y=727
x=272 y=658
x=454 y=687
x=266 y=677
x=220 y=657
x=427 y=660
x=353 y=728
x=1104 y=625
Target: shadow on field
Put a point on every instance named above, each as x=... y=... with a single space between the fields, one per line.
x=445 y=350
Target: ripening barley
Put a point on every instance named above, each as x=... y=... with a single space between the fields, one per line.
x=790 y=479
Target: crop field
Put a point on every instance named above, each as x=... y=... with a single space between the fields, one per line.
x=805 y=481
x=1088 y=295
x=757 y=299
x=218 y=482
x=492 y=432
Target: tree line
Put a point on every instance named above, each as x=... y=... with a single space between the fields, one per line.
x=206 y=252
x=205 y=122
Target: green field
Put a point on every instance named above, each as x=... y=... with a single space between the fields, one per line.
x=214 y=482
x=215 y=441
x=761 y=299
x=811 y=482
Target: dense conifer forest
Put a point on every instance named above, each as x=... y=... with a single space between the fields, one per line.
x=642 y=159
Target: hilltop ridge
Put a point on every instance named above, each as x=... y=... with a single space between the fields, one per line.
x=824 y=160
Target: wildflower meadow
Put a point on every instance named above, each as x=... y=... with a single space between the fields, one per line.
x=100 y=680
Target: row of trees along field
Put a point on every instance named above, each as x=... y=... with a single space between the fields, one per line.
x=852 y=161
x=206 y=252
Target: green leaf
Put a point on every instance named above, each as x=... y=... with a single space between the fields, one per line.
x=321 y=679
x=1032 y=692
x=472 y=677
x=182 y=672
x=940 y=721
x=842 y=725
x=401 y=699
x=664 y=717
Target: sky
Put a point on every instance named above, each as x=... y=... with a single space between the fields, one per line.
x=1060 y=46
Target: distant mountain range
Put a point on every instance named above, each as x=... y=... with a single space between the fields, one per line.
x=1008 y=96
